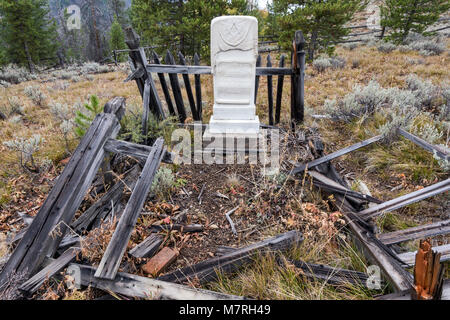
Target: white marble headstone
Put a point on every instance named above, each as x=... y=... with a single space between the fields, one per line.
x=234 y=49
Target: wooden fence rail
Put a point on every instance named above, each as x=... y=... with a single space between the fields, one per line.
x=142 y=73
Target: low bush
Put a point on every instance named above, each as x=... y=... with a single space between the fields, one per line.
x=35 y=94
x=323 y=63
x=386 y=47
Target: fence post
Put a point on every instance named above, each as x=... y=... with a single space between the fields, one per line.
x=298 y=79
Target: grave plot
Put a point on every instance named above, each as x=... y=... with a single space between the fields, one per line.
x=146 y=238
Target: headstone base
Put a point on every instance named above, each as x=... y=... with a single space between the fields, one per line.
x=238 y=127
x=235 y=142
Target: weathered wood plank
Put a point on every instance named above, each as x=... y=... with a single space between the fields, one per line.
x=438 y=151
x=270 y=91
x=174 y=83
x=335 y=155
x=406 y=295
x=176 y=226
x=148 y=247
x=33 y=284
x=146 y=111
x=378 y=254
x=279 y=91
x=406 y=199
x=116 y=248
x=420 y=232
x=134 y=150
x=154 y=97
x=164 y=87
x=207 y=270
x=104 y=204
x=410 y=257
x=178 y=69
x=187 y=85
x=142 y=287
x=331 y=275
x=327 y=184
x=298 y=78
x=373 y=249
x=133 y=41
x=198 y=89
x=63 y=200
x=258 y=64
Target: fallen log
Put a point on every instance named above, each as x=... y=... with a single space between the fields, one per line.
x=33 y=284
x=50 y=224
x=148 y=247
x=420 y=232
x=229 y=262
x=116 y=248
x=141 y=287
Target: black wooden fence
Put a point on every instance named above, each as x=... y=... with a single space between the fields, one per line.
x=142 y=73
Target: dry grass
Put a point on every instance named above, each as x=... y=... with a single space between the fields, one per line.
x=380 y=167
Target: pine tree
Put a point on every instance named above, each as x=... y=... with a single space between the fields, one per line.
x=29 y=34
x=181 y=25
x=118 y=11
x=322 y=22
x=117 y=38
x=405 y=16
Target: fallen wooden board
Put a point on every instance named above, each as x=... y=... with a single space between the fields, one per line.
x=437 y=150
x=141 y=287
x=406 y=199
x=105 y=203
x=334 y=155
x=148 y=247
x=63 y=200
x=229 y=262
x=116 y=248
x=420 y=232
x=176 y=226
x=331 y=275
x=139 y=151
x=329 y=185
x=410 y=257
x=406 y=295
x=33 y=284
x=373 y=249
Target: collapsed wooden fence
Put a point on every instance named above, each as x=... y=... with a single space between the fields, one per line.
x=379 y=247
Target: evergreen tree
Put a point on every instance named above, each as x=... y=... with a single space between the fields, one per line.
x=322 y=22
x=117 y=38
x=405 y=16
x=28 y=32
x=181 y=25
x=118 y=11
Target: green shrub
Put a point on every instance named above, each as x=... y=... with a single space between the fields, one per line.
x=84 y=120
